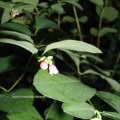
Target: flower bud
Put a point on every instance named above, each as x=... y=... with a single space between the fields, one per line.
x=44 y=65
x=53 y=69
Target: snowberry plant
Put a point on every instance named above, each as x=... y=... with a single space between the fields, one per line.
x=53 y=65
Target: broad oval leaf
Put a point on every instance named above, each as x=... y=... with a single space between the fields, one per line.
x=80 y=110
x=112 y=99
x=73 y=45
x=110 y=13
x=61 y=87
x=24 y=44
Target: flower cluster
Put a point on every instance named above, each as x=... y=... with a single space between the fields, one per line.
x=47 y=63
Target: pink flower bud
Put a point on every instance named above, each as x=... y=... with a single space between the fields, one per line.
x=53 y=69
x=44 y=65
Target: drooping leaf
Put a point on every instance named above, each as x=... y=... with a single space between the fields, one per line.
x=16 y=101
x=57 y=8
x=61 y=87
x=98 y=2
x=110 y=14
x=114 y=84
x=55 y=113
x=31 y=2
x=16 y=27
x=80 y=110
x=24 y=44
x=74 y=57
x=106 y=30
x=29 y=114
x=5 y=63
x=18 y=35
x=112 y=99
x=113 y=115
x=73 y=45
x=43 y=23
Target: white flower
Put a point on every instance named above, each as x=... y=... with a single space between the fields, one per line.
x=44 y=65
x=53 y=69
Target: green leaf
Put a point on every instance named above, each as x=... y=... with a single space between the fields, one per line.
x=110 y=14
x=4 y=4
x=61 y=87
x=94 y=31
x=106 y=30
x=83 y=19
x=73 y=45
x=74 y=57
x=98 y=2
x=16 y=27
x=58 y=8
x=29 y=114
x=43 y=5
x=74 y=3
x=16 y=101
x=113 y=115
x=24 y=44
x=6 y=16
x=18 y=35
x=43 y=23
x=31 y=2
x=114 y=84
x=112 y=99
x=55 y=113
x=5 y=63
x=68 y=19
x=20 y=7
x=80 y=110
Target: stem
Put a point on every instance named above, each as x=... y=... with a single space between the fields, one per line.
x=100 y=25
x=59 y=17
x=20 y=78
x=78 y=24
x=115 y=66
